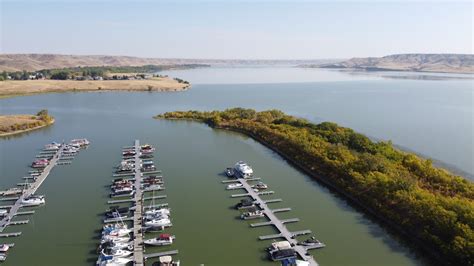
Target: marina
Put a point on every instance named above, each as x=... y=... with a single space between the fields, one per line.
x=119 y=243
x=27 y=198
x=243 y=174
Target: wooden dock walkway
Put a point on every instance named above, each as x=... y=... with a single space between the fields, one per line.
x=138 y=258
x=32 y=188
x=278 y=224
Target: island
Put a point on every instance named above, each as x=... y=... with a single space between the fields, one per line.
x=429 y=206
x=17 y=124
x=442 y=63
x=77 y=79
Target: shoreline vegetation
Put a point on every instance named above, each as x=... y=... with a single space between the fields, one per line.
x=17 y=124
x=428 y=205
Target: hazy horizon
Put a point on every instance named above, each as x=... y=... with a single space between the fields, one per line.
x=235 y=30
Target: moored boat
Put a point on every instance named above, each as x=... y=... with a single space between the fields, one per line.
x=161 y=240
x=234 y=186
x=252 y=215
x=167 y=261
x=33 y=200
x=229 y=172
x=242 y=169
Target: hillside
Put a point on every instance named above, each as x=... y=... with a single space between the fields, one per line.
x=448 y=63
x=33 y=62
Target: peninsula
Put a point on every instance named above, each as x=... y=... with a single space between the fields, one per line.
x=427 y=205
x=16 y=124
x=77 y=79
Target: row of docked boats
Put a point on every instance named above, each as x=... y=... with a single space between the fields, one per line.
x=23 y=195
x=251 y=208
x=117 y=243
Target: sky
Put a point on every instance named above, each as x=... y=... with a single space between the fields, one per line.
x=236 y=29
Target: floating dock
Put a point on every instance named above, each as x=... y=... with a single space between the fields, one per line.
x=276 y=222
x=138 y=258
x=32 y=187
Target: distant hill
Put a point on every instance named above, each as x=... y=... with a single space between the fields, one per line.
x=449 y=63
x=32 y=62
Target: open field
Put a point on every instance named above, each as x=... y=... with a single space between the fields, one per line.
x=12 y=88
x=15 y=124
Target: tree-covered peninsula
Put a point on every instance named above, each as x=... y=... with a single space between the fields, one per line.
x=429 y=205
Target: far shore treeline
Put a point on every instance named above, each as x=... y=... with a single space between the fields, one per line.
x=89 y=71
x=429 y=205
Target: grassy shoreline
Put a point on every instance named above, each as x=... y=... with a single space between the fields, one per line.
x=10 y=88
x=18 y=132
x=426 y=205
x=17 y=124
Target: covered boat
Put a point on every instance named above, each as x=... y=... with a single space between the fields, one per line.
x=33 y=200
x=243 y=170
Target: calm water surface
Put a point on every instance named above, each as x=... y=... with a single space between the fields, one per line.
x=429 y=117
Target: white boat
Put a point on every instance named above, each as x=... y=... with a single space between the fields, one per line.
x=158 y=222
x=80 y=142
x=115 y=262
x=119 y=232
x=234 y=186
x=114 y=239
x=168 y=261
x=3 y=257
x=3 y=212
x=119 y=253
x=162 y=240
x=33 y=200
x=4 y=248
x=153 y=187
x=252 y=215
x=163 y=211
x=243 y=170
x=122 y=245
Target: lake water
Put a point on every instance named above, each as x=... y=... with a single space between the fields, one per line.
x=431 y=117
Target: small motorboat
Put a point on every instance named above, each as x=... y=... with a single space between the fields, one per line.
x=234 y=186
x=260 y=186
x=114 y=261
x=158 y=222
x=229 y=172
x=150 y=187
x=3 y=212
x=117 y=245
x=3 y=257
x=119 y=232
x=4 y=248
x=33 y=200
x=163 y=211
x=245 y=203
x=80 y=142
x=252 y=215
x=167 y=261
x=162 y=240
x=118 y=253
x=114 y=239
x=312 y=242
x=123 y=193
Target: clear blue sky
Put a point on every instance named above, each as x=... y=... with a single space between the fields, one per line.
x=236 y=29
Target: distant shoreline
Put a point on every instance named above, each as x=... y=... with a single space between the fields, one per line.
x=14 y=88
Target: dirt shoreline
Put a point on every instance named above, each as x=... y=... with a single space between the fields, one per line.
x=13 y=88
